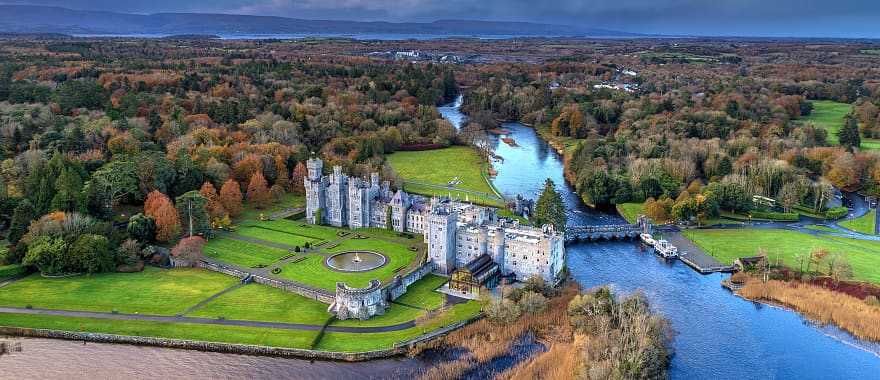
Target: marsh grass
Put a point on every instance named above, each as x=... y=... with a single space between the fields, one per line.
x=819 y=304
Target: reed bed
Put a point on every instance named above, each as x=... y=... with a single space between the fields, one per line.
x=820 y=304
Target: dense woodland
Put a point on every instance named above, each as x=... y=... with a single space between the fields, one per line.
x=699 y=128
x=107 y=145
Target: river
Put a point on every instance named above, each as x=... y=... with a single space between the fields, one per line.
x=718 y=335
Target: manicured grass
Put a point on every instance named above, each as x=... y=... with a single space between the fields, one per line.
x=728 y=245
x=865 y=224
x=273 y=235
x=299 y=227
x=153 y=291
x=631 y=211
x=422 y=293
x=312 y=270
x=192 y=331
x=418 y=299
x=441 y=166
x=351 y=342
x=820 y=228
x=287 y=200
x=242 y=253
x=257 y=302
x=829 y=115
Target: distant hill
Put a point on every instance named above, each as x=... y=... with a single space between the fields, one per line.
x=43 y=19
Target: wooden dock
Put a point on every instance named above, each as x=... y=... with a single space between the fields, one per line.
x=695 y=257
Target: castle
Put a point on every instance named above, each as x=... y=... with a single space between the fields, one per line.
x=457 y=233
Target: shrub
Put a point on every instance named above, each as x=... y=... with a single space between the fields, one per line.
x=188 y=251
x=514 y=294
x=503 y=311
x=836 y=213
x=276 y=270
x=739 y=278
x=532 y=303
x=872 y=301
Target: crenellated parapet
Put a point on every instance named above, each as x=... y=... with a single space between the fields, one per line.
x=360 y=303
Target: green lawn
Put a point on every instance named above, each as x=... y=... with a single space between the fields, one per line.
x=153 y=291
x=257 y=302
x=299 y=227
x=441 y=166
x=267 y=233
x=351 y=342
x=419 y=297
x=864 y=224
x=287 y=200
x=829 y=115
x=312 y=270
x=193 y=331
x=728 y=245
x=422 y=293
x=242 y=253
x=631 y=211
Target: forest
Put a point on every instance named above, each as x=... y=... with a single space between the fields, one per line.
x=691 y=138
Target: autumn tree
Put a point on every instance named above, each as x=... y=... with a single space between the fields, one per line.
x=159 y=207
x=188 y=251
x=258 y=191
x=297 y=181
x=230 y=197
x=212 y=205
x=283 y=177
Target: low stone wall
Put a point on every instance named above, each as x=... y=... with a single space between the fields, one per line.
x=305 y=291
x=315 y=294
x=398 y=287
x=212 y=266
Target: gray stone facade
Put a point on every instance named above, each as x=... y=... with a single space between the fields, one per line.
x=456 y=232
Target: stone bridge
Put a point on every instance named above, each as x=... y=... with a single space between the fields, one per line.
x=607 y=231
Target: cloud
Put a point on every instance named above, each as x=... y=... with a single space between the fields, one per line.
x=704 y=17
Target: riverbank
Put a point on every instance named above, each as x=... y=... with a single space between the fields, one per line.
x=819 y=304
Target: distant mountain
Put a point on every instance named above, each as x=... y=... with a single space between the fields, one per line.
x=43 y=19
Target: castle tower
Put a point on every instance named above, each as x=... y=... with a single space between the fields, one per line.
x=314 y=166
x=497 y=251
x=315 y=186
x=337 y=198
x=441 y=240
x=399 y=206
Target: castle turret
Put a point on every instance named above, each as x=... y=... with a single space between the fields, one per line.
x=315 y=185
x=441 y=239
x=497 y=251
x=314 y=166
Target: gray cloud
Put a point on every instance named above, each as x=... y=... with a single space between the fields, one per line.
x=841 y=18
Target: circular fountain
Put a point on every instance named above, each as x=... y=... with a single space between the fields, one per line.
x=356 y=261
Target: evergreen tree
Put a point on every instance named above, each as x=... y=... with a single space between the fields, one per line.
x=549 y=208
x=849 y=135
x=68 y=195
x=141 y=228
x=22 y=217
x=189 y=176
x=193 y=217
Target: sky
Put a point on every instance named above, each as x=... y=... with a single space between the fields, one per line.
x=804 y=18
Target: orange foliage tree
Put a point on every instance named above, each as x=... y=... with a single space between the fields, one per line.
x=258 y=191
x=213 y=206
x=159 y=206
x=297 y=186
x=230 y=197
